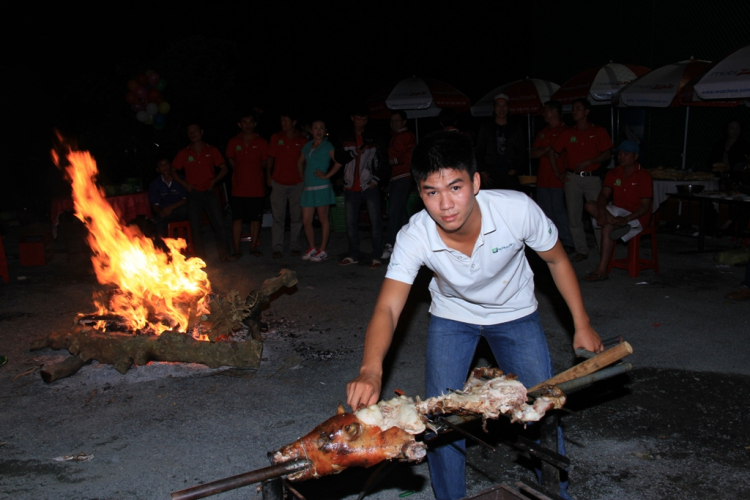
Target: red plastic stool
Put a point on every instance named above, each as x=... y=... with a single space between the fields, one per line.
x=182 y=228
x=633 y=263
x=3 y=263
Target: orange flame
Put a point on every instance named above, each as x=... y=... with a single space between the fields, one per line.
x=163 y=291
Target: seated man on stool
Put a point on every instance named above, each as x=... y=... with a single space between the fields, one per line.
x=167 y=197
x=632 y=191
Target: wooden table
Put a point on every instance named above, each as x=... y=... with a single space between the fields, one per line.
x=663 y=188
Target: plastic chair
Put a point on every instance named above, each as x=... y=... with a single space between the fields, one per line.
x=182 y=228
x=633 y=263
x=3 y=263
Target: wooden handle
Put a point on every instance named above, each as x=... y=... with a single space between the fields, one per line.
x=590 y=365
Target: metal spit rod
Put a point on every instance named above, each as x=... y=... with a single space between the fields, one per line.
x=230 y=483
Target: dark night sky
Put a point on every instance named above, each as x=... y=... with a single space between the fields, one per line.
x=68 y=67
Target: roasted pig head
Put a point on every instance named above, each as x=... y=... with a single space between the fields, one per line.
x=345 y=441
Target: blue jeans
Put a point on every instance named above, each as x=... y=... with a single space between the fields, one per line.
x=197 y=202
x=354 y=201
x=519 y=346
x=398 y=197
x=550 y=200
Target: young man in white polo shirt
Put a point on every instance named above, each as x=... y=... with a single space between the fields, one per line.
x=482 y=286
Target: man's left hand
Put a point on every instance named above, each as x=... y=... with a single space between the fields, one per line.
x=588 y=339
x=619 y=221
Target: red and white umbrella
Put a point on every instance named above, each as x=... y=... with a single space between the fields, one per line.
x=660 y=88
x=598 y=85
x=729 y=78
x=419 y=97
x=525 y=97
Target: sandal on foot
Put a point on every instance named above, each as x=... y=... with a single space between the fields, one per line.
x=375 y=264
x=348 y=261
x=594 y=276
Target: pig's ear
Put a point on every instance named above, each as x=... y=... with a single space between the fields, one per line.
x=340 y=410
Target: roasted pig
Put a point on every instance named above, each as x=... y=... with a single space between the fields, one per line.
x=490 y=394
x=346 y=441
x=387 y=430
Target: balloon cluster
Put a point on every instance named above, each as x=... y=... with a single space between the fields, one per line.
x=146 y=100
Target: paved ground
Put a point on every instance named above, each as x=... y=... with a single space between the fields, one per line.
x=676 y=427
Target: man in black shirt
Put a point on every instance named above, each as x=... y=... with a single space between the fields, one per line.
x=501 y=150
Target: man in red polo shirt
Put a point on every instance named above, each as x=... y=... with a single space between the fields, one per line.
x=632 y=191
x=247 y=154
x=286 y=184
x=199 y=160
x=588 y=146
x=549 y=185
x=402 y=144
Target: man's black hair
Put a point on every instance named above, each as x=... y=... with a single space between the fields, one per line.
x=289 y=114
x=584 y=102
x=251 y=113
x=399 y=112
x=442 y=150
x=360 y=111
x=448 y=117
x=556 y=105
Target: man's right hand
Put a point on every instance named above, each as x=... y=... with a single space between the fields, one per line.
x=363 y=391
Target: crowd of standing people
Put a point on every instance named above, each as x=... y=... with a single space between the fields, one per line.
x=292 y=174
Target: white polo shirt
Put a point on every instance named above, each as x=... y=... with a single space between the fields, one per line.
x=494 y=285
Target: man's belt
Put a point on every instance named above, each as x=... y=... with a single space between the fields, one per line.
x=585 y=174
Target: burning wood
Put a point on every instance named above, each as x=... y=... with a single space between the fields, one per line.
x=123 y=349
x=157 y=306
x=155 y=291
x=386 y=430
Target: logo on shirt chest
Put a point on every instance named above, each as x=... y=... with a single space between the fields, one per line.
x=190 y=158
x=574 y=139
x=238 y=148
x=618 y=182
x=497 y=249
x=281 y=142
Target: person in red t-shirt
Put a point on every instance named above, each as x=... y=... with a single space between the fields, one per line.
x=632 y=191
x=402 y=144
x=247 y=154
x=199 y=160
x=549 y=185
x=286 y=184
x=588 y=146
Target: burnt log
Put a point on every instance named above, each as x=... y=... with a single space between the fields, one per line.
x=257 y=299
x=123 y=350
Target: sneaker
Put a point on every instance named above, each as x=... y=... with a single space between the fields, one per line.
x=310 y=253
x=319 y=257
x=388 y=251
